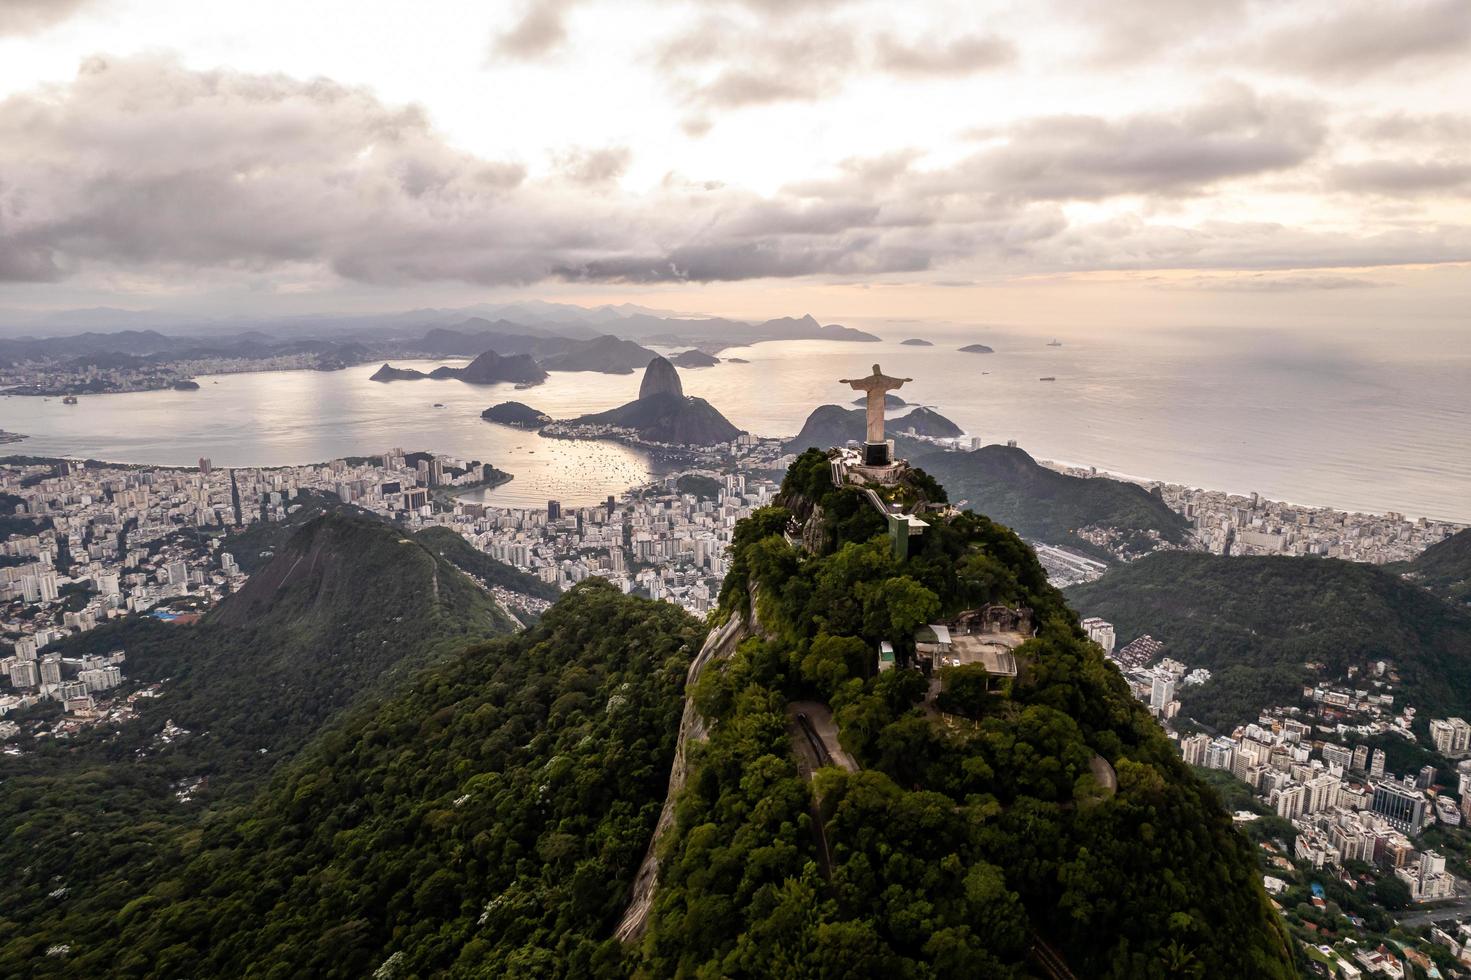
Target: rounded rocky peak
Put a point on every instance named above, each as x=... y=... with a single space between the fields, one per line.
x=660 y=378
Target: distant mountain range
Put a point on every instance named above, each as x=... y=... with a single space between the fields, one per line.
x=515 y=326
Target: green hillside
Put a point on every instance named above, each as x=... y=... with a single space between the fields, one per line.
x=1036 y=502
x=348 y=606
x=1443 y=568
x=1256 y=622
x=485 y=820
x=448 y=544
x=959 y=846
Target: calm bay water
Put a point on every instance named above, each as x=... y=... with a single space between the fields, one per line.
x=1365 y=422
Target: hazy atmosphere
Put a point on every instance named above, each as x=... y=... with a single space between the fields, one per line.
x=1140 y=162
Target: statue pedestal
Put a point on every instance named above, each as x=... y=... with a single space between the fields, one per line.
x=876 y=454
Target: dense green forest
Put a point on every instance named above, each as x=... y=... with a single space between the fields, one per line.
x=1256 y=623
x=1444 y=568
x=248 y=687
x=957 y=846
x=1009 y=486
x=485 y=819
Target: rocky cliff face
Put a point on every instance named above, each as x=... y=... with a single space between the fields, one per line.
x=660 y=378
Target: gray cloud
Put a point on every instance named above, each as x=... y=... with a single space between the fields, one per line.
x=957 y=56
x=144 y=166
x=1402 y=127
x=541 y=30
x=726 y=64
x=1354 y=38
x=1129 y=30
x=595 y=166
x=1236 y=134
x=1401 y=177
x=29 y=16
x=731 y=63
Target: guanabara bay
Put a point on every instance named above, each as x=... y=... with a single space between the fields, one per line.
x=890 y=750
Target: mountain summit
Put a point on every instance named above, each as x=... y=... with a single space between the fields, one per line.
x=664 y=413
x=660 y=378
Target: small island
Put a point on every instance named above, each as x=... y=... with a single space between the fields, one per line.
x=390 y=373
x=516 y=414
x=916 y=342
x=186 y=385
x=736 y=360
x=694 y=358
x=487 y=369
x=976 y=349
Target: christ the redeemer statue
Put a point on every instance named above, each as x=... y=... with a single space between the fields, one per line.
x=876 y=386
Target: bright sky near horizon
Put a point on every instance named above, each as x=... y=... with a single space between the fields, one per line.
x=1130 y=161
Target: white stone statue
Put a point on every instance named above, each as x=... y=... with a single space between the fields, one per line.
x=876 y=386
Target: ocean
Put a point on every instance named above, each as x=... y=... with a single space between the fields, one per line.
x=1372 y=422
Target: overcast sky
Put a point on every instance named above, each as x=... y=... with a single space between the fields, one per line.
x=1124 y=161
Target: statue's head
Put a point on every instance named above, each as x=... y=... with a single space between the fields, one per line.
x=876 y=369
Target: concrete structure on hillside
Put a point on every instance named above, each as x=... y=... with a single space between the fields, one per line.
x=987 y=636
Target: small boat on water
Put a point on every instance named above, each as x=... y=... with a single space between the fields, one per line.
x=439 y=404
x=69 y=400
x=1048 y=378
x=1054 y=342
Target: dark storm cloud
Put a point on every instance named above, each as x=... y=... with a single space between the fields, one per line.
x=29 y=16
x=1352 y=39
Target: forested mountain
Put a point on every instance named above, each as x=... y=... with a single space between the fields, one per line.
x=1443 y=568
x=346 y=607
x=1055 y=815
x=485 y=820
x=1257 y=621
x=1006 y=484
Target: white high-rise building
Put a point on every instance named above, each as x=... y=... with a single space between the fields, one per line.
x=1161 y=693
x=1452 y=736
x=1100 y=632
x=1376 y=766
x=1290 y=802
